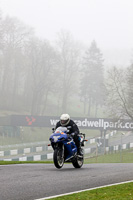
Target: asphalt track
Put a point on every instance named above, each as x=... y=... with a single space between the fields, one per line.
x=34 y=181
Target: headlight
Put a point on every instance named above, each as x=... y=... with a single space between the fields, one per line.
x=56 y=138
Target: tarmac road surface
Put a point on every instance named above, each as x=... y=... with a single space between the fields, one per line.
x=34 y=181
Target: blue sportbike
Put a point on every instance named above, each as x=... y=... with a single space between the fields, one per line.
x=65 y=149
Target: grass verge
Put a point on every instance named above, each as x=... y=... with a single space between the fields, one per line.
x=23 y=162
x=116 y=192
x=126 y=156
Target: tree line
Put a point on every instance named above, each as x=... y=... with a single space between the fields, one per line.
x=36 y=74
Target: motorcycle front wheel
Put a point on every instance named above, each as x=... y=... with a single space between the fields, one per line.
x=58 y=158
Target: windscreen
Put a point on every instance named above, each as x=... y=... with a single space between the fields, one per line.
x=61 y=129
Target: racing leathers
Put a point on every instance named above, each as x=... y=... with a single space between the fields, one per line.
x=74 y=131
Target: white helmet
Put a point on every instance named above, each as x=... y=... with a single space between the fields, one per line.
x=64 y=119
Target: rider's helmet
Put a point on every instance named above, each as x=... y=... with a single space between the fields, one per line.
x=64 y=119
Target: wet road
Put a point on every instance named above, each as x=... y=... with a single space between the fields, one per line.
x=33 y=181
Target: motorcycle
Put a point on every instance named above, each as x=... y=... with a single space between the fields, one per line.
x=65 y=149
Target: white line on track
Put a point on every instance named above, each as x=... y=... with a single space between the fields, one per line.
x=84 y=190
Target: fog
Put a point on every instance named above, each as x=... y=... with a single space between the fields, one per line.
x=46 y=39
x=64 y=56
x=109 y=23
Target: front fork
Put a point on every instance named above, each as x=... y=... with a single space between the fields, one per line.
x=60 y=147
x=62 y=151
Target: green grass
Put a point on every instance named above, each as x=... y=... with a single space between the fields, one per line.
x=23 y=162
x=126 y=156
x=117 y=192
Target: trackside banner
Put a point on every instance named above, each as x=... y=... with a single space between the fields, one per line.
x=83 y=123
x=102 y=124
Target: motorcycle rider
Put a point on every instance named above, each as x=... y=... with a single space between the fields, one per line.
x=65 y=121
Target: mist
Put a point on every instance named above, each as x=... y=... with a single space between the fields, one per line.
x=45 y=47
x=65 y=56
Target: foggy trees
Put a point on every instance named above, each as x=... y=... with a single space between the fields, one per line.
x=0 y=30
x=14 y=36
x=39 y=78
x=130 y=91
x=42 y=63
x=33 y=71
x=92 y=81
x=116 y=92
x=69 y=59
x=120 y=92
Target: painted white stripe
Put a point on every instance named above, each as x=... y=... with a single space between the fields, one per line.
x=84 y=190
x=116 y=148
x=37 y=157
x=38 y=149
x=50 y=148
x=14 y=152
x=27 y=150
x=1 y=153
x=124 y=146
x=131 y=145
x=23 y=158
x=107 y=148
x=49 y=155
x=7 y=159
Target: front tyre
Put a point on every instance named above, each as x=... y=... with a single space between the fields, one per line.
x=58 y=158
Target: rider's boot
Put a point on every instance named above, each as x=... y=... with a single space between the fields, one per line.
x=79 y=150
x=78 y=144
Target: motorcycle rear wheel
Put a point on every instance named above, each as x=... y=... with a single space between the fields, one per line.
x=78 y=161
x=58 y=158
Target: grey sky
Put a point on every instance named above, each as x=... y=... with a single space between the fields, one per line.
x=109 y=22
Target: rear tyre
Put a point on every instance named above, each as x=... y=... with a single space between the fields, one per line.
x=78 y=161
x=58 y=158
